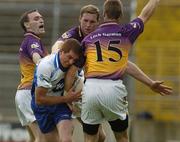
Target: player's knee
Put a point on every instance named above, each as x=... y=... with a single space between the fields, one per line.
x=67 y=139
x=102 y=135
x=102 y=138
x=90 y=129
x=119 y=125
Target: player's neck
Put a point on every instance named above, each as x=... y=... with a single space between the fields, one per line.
x=106 y=19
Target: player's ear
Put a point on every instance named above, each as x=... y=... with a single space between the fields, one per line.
x=26 y=24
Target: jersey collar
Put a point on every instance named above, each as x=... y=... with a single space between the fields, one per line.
x=32 y=34
x=108 y=23
x=58 y=64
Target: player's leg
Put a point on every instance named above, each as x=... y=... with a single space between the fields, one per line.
x=24 y=111
x=91 y=113
x=46 y=129
x=31 y=136
x=119 y=127
x=45 y=118
x=77 y=106
x=90 y=132
x=63 y=120
x=121 y=137
x=101 y=134
x=34 y=130
x=51 y=136
x=65 y=130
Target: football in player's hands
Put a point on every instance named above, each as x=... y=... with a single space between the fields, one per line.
x=78 y=84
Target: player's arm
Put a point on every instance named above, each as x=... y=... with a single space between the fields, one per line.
x=57 y=45
x=148 y=10
x=72 y=72
x=36 y=57
x=42 y=98
x=156 y=86
x=70 y=77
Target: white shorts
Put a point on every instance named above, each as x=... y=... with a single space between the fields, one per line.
x=103 y=100
x=23 y=107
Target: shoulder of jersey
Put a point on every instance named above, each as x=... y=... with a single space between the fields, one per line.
x=66 y=35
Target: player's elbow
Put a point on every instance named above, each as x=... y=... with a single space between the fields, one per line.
x=148 y=10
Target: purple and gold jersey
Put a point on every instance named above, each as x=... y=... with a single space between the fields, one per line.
x=31 y=44
x=107 y=48
x=75 y=33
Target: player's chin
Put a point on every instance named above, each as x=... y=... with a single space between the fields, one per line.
x=87 y=32
x=66 y=65
x=41 y=31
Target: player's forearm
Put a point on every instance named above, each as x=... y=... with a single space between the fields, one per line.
x=43 y=98
x=36 y=58
x=70 y=77
x=50 y=100
x=148 y=10
x=138 y=74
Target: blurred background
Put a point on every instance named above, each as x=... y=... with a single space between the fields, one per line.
x=153 y=118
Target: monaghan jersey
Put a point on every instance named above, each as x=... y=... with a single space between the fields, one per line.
x=50 y=74
x=31 y=44
x=107 y=48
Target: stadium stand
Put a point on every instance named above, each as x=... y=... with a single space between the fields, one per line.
x=158 y=54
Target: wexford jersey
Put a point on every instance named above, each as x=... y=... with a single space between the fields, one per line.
x=31 y=44
x=107 y=48
x=75 y=33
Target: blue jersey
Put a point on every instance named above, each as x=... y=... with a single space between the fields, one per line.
x=50 y=74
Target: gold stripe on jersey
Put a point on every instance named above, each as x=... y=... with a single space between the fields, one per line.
x=27 y=73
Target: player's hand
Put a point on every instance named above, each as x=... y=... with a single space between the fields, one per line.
x=72 y=96
x=158 y=87
x=73 y=108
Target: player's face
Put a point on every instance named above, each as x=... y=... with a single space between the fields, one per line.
x=36 y=23
x=68 y=58
x=88 y=23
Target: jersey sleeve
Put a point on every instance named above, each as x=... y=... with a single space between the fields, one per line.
x=43 y=75
x=134 y=29
x=34 y=46
x=67 y=35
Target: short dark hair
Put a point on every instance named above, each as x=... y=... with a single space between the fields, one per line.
x=92 y=9
x=71 y=44
x=24 y=18
x=113 y=9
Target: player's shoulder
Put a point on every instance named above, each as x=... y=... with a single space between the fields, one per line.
x=135 y=24
x=32 y=41
x=47 y=62
x=71 y=33
x=31 y=37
